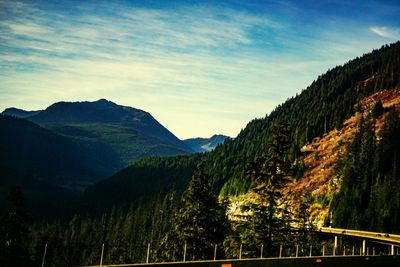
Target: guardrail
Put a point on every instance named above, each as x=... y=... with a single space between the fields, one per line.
x=384 y=238
x=292 y=252
x=327 y=261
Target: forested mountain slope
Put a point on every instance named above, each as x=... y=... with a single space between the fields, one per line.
x=119 y=133
x=369 y=195
x=321 y=107
x=30 y=150
x=46 y=165
x=143 y=181
x=19 y=113
x=76 y=145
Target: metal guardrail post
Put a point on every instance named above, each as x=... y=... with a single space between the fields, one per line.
x=363 y=247
x=323 y=251
x=310 y=250
x=297 y=251
x=184 y=252
x=280 y=251
x=262 y=250
x=240 y=252
x=44 y=255
x=148 y=253
x=215 y=251
x=335 y=245
x=102 y=254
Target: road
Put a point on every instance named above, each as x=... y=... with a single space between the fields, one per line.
x=348 y=261
x=385 y=238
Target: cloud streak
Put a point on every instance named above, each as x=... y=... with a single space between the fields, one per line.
x=387 y=32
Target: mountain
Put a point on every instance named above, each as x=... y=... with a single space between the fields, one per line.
x=19 y=113
x=323 y=106
x=144 y=180
x=54 y=154
x=111 y=131
x=31 y=150
x=205 y=144
x=46 y=165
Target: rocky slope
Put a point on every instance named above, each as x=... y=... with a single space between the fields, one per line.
x=321 y=157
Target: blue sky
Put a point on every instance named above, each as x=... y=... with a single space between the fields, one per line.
x=199 y=67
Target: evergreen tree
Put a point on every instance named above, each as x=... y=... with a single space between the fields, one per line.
x=378 y=109
x=15 y=227
x=269 y=215
x=356 y=171
x=199 y=224
x=370 y=196
x=305 y=234
x=388 y=176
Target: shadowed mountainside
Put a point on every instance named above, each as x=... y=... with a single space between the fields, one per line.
x=108 y=130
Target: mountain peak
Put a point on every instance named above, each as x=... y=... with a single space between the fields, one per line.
x=100 y=111
x=101 y=103
x=205 y=144
x=104 y=102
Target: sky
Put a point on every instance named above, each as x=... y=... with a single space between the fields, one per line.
x=199 y=67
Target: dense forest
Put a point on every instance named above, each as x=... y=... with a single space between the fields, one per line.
x=321 y=107
x=370 y=190
x=144 y=180
x=163 y=205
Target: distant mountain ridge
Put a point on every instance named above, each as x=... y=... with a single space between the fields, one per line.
x=20 y=113
x=108 y=128
x=205 y=144
x=57 y=152
x=107 y=112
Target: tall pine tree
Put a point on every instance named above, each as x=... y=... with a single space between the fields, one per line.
x=200 y=223
x=269 y=215
x=15 y=227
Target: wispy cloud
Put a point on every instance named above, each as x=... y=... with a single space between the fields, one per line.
x=387 y=32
